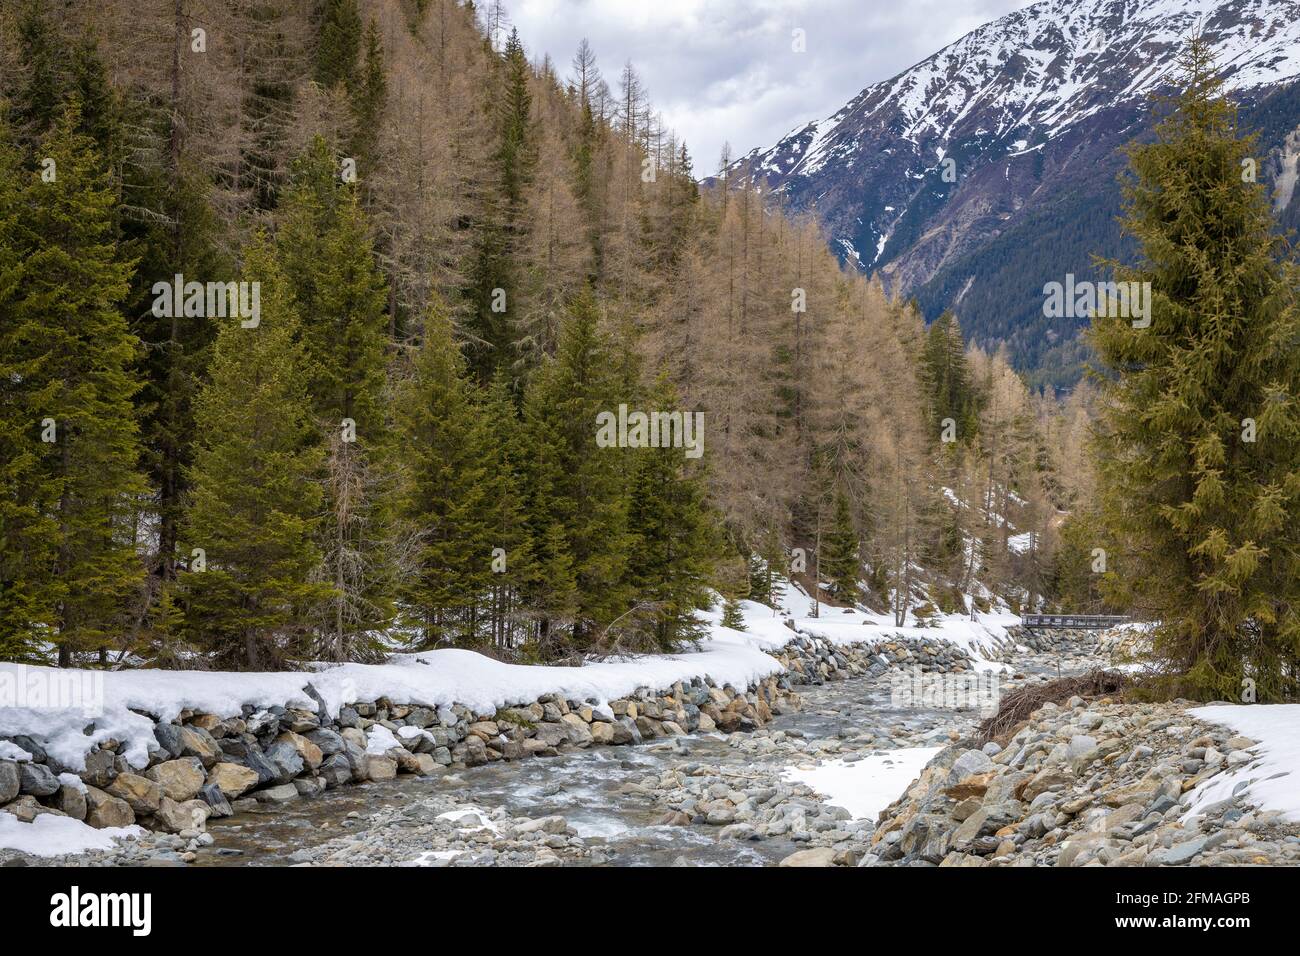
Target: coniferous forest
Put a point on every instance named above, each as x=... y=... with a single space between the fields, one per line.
x=462 y=255
x=309 y=312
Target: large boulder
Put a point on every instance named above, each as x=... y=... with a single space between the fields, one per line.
x=174 y=816
x=101 y=768
x=218 y=805
x=169 y=738
x=327 y=741
x=250 y=755
x=381 y=768
x=579 y=730
x=284 y=757
x=197 y=742
x=140 y=793
x=71 y=800
x=10 y=780
x=232 y=779
x=336 y=770
x=36 y=779
x=105 y=810
x=311 y=754
x=180 y=779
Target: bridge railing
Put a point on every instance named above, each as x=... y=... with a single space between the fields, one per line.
x=1097 y=621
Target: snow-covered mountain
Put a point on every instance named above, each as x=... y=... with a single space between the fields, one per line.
x=1030 y=110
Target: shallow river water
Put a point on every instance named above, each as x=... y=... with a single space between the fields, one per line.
x=584 y=788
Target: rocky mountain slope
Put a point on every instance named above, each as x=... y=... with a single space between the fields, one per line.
x=991 y=167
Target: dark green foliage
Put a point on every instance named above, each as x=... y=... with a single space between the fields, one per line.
x=256 y=498
x=69 y=359
x=946 y=379
x=442 y=505
x=579 y=489
x=839 y=563
x=675 y=540
x=339 y=45
x=1207 y=519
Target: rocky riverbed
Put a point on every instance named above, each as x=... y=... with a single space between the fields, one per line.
x=1088 y=783
x=710 y=797
x=1085 y=783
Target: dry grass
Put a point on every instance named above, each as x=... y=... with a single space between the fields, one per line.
x=1016 y=706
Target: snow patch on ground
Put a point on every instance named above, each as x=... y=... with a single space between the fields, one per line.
x=51 y=835
x=865 y=787
x=436 y=678
x=1273 y=778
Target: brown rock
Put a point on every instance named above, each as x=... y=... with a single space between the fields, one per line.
x=180 y=779
x=308 y=751
x=140 y=793
x=233 y=780
x=974 y=785
x=174 y=817
x=105 y=810
x=197 y=742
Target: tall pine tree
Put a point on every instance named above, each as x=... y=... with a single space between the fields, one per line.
x=1199 y=454
x=256 y=477
x=442 y=503
x=74 y=355
x=580 y=489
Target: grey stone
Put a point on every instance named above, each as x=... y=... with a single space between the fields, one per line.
x=32 y=747
x=336 y=770
x=72 y=801
x=1182 y=852
x=37 y=780
x=218 y=805
x=970 y=762
x=101 y=768
x=285 y=759
x=328 y=741
x=10 y=780
x=169 y=736
x=281 y=794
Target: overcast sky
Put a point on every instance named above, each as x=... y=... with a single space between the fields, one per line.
x=724 y=69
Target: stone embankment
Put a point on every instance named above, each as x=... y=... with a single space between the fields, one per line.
x=208 y=765
x=1086 y=784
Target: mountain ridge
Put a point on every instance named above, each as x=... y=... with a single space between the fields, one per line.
x=1031 y=110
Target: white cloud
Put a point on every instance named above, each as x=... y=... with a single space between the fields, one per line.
x=724 y=70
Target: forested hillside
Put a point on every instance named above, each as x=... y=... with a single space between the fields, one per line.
x=448 y=257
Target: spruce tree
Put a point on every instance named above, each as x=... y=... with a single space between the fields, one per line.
x=946 y=380
x=578 y=486
x=74 y=355
x=502 y=446
x=329 y=257
x=495 y=279
x=368 y=99
x=441 y=504
x=839 y=563
x=256 y=479
x=27 y=528
x=675 y=538
x=1199 y=451
x=339 y=44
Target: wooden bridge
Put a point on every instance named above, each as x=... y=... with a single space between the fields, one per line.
x=1081 y=621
